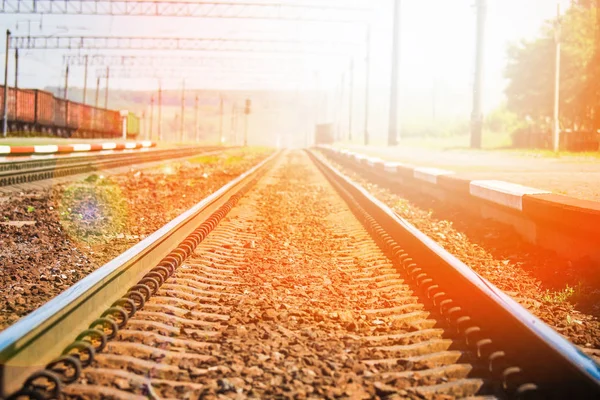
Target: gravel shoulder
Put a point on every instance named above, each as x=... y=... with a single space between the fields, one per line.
x=561 y=293
x=52 y=238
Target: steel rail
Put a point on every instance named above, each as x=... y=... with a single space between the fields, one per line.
x=18 y=172
x=32 y=342
x=557 y=367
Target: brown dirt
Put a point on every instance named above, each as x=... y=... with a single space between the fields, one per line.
x=547 y=285
x=81 y=225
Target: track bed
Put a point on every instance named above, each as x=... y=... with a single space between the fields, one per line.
x=294 y=294
x=288 y=297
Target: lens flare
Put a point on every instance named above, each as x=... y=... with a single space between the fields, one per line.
x=92 y=211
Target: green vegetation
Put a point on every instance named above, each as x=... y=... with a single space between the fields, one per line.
x=568 y=294
x=210 y=159
x=530 y=72
x=30 y=209
x=229 y=157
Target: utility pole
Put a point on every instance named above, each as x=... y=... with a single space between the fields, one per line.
x=151 y=116
x=233 y=132
x=343 y=86
x=16 y=69
x=5 y=105
x=16 y=82
x=434 y=98
x=182 y=109
x=247 y=112
x=311 y=132
x=97 y=90
x=85 y=79
x=477 y=115
x=106 y=93
x=143 y=127
x=160 y=111
x=221 y=137
x=66 y=94
x=196 y=119
x=556 y=124
x=393 y=117
x=367 y=83
x=351 y=102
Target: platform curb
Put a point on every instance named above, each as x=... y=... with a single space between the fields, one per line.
x=540 y=214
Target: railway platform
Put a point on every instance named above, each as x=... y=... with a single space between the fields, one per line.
x=571 y=175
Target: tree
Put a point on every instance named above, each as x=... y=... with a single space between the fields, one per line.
x=530 y=71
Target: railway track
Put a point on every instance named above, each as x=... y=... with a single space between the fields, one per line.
x=17 y=172
x=289 y=282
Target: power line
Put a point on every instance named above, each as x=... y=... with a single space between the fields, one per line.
x=182 y=44
x=170 y=61
x=266 y=10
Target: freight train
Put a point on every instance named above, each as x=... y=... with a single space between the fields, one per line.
x=33 y=112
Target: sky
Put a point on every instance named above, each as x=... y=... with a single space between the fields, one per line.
x=436 y=67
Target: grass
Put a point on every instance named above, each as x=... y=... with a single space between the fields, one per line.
x=568 y=294
x=228 y=157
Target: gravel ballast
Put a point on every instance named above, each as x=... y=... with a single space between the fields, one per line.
x=50 y=239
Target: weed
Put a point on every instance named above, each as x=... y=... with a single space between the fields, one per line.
x=30 y=209
x=562 y=296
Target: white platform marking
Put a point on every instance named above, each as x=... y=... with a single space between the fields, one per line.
x=430 y=174
x=371 y=161
x=49 y=148
x=392 y=166
x=109 y=146
x=504 y=193
x=82 y=147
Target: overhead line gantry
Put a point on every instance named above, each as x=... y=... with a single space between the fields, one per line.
x=179 y=43
x=266 y=10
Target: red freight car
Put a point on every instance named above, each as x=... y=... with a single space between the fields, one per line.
x=44 y=108
x=74 y=115
x=39 y=111
x=25 y=105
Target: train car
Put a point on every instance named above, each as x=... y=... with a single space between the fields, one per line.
x=133 y=126
x=74 y=120
x=39 y=112
x=44 y=108
x=60 y=117
x=25 y=106
x=21 y=109
x=324 y=134
x=114 y=124
x=86 y=128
